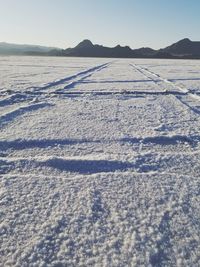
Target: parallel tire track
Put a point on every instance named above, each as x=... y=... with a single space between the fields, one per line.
x=74 y=78
x=29 y=96
x=52 y=87
x=146 y=71
x=177 y=89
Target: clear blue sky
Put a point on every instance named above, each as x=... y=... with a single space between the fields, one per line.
x=64 y=23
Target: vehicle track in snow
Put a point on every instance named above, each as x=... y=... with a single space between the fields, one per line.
x=69 y=82
x=52 y=87
x=157 y=78
x=41 y=94
x=15 y=113
x=179 y=92
x=100 y=178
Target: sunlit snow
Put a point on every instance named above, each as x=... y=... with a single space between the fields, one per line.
x=99 y=162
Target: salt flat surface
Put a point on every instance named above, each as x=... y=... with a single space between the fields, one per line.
x=99 y=162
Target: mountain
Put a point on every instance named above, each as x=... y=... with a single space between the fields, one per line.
x=18 y=49
x=85 y=44
x=87 y=49
x=145 y=51
x=184 y=48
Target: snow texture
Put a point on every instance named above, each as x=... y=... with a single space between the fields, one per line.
x=99 y=162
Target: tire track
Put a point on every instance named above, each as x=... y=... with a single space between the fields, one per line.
x=12 y=115
x=52 y=87
x=149 y=74
x=177 y=89
x=30 y=96
x=74 y=78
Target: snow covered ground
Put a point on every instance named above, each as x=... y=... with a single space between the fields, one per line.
x=99 y=162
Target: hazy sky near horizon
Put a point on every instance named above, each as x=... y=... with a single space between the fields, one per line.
x=64 y=23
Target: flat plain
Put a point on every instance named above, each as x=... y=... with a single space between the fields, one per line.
x=99 y=162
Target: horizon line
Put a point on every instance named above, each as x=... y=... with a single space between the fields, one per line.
x=53 y=46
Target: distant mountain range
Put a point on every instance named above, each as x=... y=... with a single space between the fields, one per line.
x=23 y=49
x=182 y=49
